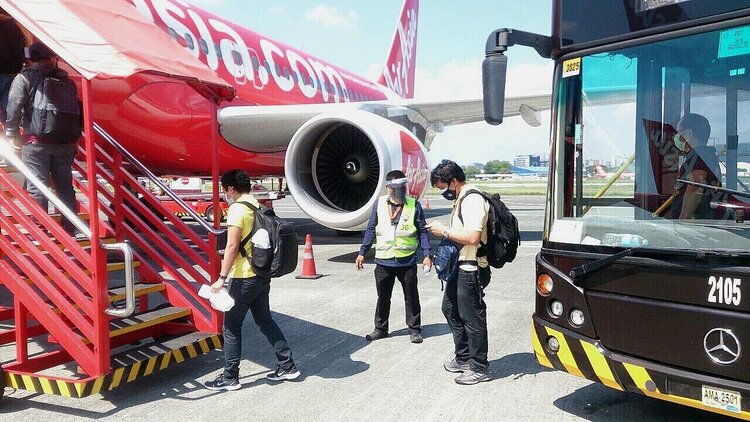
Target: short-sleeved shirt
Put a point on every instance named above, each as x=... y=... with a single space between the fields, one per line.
x=474 y=211
x=240 y=215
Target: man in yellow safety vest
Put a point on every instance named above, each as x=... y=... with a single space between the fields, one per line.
x=397 y=227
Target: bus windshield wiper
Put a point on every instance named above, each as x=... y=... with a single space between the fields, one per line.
x=715 y=188
x=588 y=267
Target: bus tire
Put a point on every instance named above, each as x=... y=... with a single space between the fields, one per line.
x=209 y=214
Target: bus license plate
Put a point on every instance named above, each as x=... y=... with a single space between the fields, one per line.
x=722 y=399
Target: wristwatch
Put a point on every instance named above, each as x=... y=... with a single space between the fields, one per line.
x=445 y=233
x=222 y=277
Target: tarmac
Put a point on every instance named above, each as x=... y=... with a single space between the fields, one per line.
x=346 y=377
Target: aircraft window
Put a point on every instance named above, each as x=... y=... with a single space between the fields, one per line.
x=323 y=86
x=255 y=62
x=172 y=33
x=295 y=78
x=217 y=48
x=286 y=72
x=204 y=46
x=267 y=66
x=189 y=41
x=276 y=69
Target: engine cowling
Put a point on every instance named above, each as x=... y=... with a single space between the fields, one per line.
x=336 y=164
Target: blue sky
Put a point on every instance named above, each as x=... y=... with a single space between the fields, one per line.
x=357 y=34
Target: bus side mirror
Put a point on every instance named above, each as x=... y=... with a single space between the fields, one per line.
x=494 y=68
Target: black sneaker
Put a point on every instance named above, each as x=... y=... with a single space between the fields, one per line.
x=376 y=335
x=284 y=374
x=416 y=337
x=222 y=383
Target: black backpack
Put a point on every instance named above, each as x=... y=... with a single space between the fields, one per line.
x=503 y=236
x=55 y=110
x=281 y=257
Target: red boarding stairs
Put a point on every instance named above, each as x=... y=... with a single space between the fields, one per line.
x=64 y=311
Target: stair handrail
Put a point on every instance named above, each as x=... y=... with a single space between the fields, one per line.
x=154 y=179
x=10 y=156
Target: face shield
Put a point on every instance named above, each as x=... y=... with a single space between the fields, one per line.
x=397 y=190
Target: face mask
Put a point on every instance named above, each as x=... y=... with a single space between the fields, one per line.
x=227 y=198
x=679 y=142
x=449 y=194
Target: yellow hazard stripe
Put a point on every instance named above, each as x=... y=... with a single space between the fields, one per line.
x=565 y=354
x=541 y=356
x=601 y=368
x=117 y=377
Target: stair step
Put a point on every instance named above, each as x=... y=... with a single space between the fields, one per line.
x=191 y=344
x=127 y=366
x=111 y=266
x=55 y=217
x=132 y=323
x=141 y=289
x=82 y=243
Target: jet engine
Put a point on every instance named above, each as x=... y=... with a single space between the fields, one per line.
x=336 y=164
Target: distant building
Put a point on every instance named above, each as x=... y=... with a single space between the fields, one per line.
x=527 y=161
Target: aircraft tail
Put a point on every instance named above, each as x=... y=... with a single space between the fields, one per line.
x=398 y=73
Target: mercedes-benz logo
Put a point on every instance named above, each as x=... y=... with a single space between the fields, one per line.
x=722 y=346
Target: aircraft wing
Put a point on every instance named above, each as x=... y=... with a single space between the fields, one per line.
x=270 y=128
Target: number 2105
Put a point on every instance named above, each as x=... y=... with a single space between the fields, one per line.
x=725 y=290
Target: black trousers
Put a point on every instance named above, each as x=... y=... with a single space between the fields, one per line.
x=385 y=278
x=251 y=294
x=466 y=313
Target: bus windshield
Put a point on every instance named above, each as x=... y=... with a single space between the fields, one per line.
x=652 y=145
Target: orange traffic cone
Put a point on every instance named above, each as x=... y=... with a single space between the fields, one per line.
x=426 y=203
x=308 y=261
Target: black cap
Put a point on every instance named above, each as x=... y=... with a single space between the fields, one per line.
x=38 y=51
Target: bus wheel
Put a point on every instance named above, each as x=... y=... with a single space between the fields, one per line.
x=209 y=214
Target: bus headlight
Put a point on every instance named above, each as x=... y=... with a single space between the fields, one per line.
x=556 y=308
x=576 y=317
x=544 y=284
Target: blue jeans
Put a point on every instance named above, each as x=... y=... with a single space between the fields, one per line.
x=466 y=313
x=251 y=294
x=52 y=163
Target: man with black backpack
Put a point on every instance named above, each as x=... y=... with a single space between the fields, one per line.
x=463 y=305
x=44 y=102
x=249 y=290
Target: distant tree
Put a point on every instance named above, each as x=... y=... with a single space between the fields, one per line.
x=497 y=167
x=492 y=167
x=470 y=171
x=506 y=167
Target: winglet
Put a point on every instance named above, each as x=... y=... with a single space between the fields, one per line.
x=398 y=73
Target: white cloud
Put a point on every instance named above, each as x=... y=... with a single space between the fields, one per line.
x=332 y=17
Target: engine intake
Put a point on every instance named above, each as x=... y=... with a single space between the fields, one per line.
x=335 y=165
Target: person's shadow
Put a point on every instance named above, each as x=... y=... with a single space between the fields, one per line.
x=516 y=365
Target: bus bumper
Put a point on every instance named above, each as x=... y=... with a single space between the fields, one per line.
x=586 y=358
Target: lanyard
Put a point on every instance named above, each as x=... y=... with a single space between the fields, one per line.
x=393 y=213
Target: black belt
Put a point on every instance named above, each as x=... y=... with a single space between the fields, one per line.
x=468 y=262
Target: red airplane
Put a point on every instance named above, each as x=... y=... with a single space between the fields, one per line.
x=333 y=134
